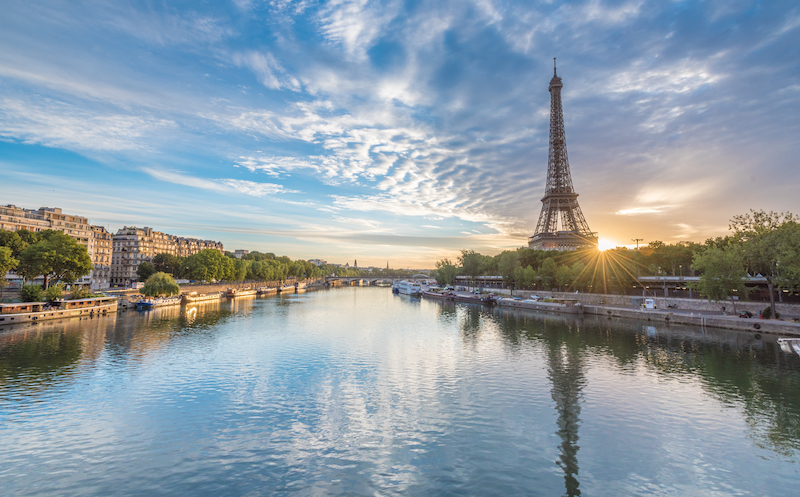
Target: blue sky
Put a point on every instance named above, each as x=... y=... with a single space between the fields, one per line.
x=398 y=131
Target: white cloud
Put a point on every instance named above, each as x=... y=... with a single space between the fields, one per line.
x=228 y=186
x=59 y=124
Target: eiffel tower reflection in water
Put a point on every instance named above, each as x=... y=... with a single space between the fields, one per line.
x=566 y=372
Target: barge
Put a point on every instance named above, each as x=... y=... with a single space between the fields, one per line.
x=566 y=306
x=26 y=312
x=158 y=302
x=195 y=298
x=233 y=293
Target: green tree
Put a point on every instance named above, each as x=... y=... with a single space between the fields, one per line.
x=12 y=241
x=56 y=256
x=7 y=263
x=78 y=292
x=31 y=293
x=547 y=273
x=471 y=263
x=765 y=238
x=722 y=273
x=160 y=284
x=145 y=270
x=208 y=265
x=54 y=292
x=29 y=237
x=563 y=277
x=507 y=264
x=446 y=272
x=168 y=263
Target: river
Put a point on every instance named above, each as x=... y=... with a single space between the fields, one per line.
x=357 y=391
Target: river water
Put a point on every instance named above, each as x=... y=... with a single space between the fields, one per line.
x=357 y=391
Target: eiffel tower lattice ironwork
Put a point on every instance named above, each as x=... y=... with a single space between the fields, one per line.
x=560 y=200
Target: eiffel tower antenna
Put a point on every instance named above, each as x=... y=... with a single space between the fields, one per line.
x=560 y=199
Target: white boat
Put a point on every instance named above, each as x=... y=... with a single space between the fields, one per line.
x=408 y=287
x=790 y=345
x=159 y=302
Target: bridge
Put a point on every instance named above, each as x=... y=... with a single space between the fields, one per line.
x=367 y=281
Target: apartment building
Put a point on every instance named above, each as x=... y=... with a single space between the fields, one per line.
x=13 y=218
x=101 y=258
x=131 y=246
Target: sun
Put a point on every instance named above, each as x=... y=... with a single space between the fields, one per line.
x=604 y=244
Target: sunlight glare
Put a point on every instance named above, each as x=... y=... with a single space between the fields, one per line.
x=604 y=244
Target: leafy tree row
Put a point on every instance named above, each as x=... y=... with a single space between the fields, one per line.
x=211 y=265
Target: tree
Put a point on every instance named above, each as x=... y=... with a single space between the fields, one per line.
x=722 y=273
x=56 y=256
x=472 y=264
x=507 y=264
x=160 y=284
x=31 y=293
x=54 y=292
x=145 y=270
x=765 y=238
x=12 y=240
x=547 y=273
x=446 y=272
x=168 y=263
x=207 y=265
x=7 y=263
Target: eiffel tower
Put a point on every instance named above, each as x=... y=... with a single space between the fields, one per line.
x=560 y=199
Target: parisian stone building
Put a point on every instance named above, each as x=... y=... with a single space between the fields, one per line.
x=132 y=246
x=13 y=218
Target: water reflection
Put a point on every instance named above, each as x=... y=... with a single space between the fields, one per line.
x=361 y=392
x=741 y=369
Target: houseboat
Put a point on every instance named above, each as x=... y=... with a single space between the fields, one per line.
x=233 y=293
x=566 y=306
x=196 y=298
x=264 y=290
x=151 y=303
x=26 y=312
x=409 y=287
x=439 y=294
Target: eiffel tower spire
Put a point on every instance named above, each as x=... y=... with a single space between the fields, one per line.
x=560 y=199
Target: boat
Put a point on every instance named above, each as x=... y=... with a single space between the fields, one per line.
x=790 y=345
x=233 y=293
x=150 y=303
x=471 y=298
x=439 y=294
x=286 y=289
x=299 y=285
x=567 y=306
x=25 y=312
x=194 y=297
x=266 y=290
x=409 y=287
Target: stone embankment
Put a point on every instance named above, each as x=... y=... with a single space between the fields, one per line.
x=694 y=312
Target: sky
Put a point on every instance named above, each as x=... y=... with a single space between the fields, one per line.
x=398 y=132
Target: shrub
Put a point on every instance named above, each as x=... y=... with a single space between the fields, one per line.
x=53 y=293
x=78 y=292
x=31 y=293
x=767 y=313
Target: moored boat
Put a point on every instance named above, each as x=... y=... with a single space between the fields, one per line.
x=438 y=295
x=409 y=287
x=266 y=290
x=790 y=345
x=24 y=312
x=562 y=305
x=150 y=303
x=233 y=293
x=194 y=297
